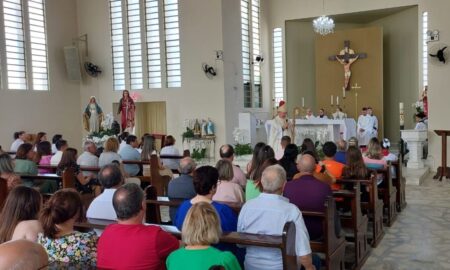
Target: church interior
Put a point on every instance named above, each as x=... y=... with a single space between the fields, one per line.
x=222 y=67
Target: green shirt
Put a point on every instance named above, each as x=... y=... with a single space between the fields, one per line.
x=25 y=166
x=201 y=259
x=251 y=191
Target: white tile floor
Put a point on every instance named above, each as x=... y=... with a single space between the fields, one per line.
x=420 y=237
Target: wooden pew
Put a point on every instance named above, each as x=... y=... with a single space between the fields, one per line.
x=389 y=195
x=357 y=224
x=285 y=242
x=374 y=208
x=332 y=247
x=399 y=182
x=82 y=168
x=158 y=181
x=3 y=192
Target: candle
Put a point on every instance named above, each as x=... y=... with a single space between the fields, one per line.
x=337 y=100
x=303 y=102
x=331 y=99
x=402 y=116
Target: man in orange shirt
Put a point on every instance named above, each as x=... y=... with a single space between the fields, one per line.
x=330 y=165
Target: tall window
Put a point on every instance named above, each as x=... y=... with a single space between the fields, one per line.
x=23 y=29
x=145 y=44
x=278 y=84
x=424 y=48
x=251 y=49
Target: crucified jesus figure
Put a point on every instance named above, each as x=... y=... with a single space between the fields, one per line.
x=347 y=57
x=347 y=63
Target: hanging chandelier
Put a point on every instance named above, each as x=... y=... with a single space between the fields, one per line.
x=323 y=25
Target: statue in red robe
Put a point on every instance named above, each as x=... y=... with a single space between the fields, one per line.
x=127 y=109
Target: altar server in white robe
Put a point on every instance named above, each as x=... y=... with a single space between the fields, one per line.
x=374 y=120
x=278 y=127
x=365 y=127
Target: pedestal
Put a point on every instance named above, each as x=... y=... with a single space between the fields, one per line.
x=443 y=170
x=415 y=140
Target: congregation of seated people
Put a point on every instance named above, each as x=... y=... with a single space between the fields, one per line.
x=274 y=189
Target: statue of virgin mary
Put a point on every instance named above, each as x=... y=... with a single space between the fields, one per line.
x=92 y=116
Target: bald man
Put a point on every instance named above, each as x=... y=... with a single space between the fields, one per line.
x=182 y=187
x=268 y=213
x=22 y=254
x=309 y=193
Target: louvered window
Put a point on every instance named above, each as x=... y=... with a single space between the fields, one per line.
x=425 y=49
x=278 y=84
x=147 y=52
x=251 y=49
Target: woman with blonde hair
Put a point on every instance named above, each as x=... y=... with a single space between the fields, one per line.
x=110 y=154
x=226 y=190
x=201 y=229
x=373 y=158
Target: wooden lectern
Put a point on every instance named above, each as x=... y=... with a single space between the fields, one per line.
x=443 y=170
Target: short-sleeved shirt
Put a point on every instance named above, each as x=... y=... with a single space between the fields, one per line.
x=134 y=247
x=45 y=160
x=239 y=176
x=107 y=158
x=309 y=194
x=201 y=259
x=227 y=217
x=229 y=192
x=172 y=164
x=76 y=247
x=25 y=166
x=341 y=156
x=127 y=152
x=181 y=187
x=87 y=159
x=335 y=169
x=267 y=214
x=102 y=207
x=251 y=190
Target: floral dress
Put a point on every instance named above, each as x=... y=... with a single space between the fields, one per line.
x=73 y=248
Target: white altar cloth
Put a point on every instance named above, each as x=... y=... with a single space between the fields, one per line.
x=324 y=130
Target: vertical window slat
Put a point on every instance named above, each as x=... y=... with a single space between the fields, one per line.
x=172 y=43
x=425 y=49
x=117 y=43
x=278 y=79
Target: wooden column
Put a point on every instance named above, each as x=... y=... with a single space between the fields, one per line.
x=443 y=170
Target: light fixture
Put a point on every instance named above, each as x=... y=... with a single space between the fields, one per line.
x=323 y=25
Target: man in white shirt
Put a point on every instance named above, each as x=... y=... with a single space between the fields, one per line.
x=19 y=137
x=227 y=152
x=61 y=146
x=267 y=214
x=322 y=114
x=88 y=158
x=111 y=178
x=309 y=114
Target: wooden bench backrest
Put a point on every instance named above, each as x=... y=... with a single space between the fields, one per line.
x=3 y=192
x=285 y=242
x=69 y=178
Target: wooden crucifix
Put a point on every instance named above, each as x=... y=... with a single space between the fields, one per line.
x=346 y=57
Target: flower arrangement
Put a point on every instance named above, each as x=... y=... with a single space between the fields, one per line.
x=243 y=149
x=198 y=153
x=106 y=132
x=418 y=106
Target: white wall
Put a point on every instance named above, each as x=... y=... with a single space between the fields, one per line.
x=201 y=36
x=54 y=111
x=439 y=94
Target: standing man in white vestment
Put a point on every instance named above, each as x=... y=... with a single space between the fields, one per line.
x=278 y=127
x=374 y=120
x=363 y=131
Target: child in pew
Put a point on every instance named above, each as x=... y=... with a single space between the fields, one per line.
x=388 y=156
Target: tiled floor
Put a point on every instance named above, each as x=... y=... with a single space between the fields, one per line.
x=420 y=237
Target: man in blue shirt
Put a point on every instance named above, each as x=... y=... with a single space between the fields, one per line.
x=267 y=214
x=129 y=152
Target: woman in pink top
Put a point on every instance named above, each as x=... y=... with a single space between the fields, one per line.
x=44 y=155
x=226 y=190
x=374 y=156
